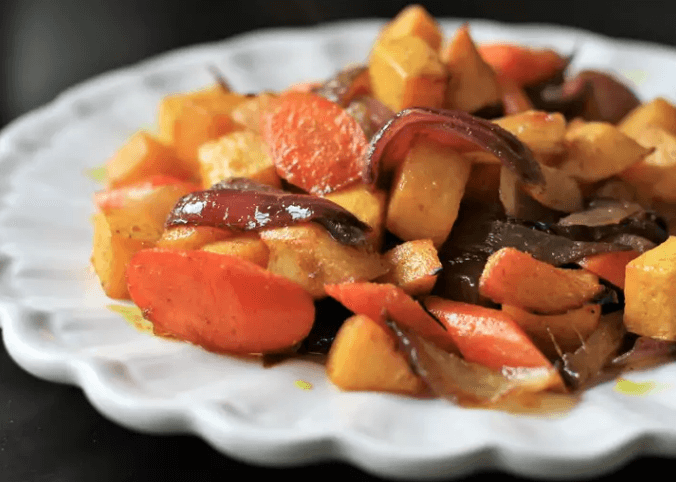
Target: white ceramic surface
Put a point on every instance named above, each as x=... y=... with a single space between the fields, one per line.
x=56 y=323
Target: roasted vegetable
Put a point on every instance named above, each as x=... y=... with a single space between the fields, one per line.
x=222 y=303
x=244 y=205
x=314 y=143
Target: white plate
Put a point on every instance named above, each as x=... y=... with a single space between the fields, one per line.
x=56 y=323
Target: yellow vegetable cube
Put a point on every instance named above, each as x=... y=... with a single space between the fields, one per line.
x=650 y=292
x=655 y=175
x=238 y=154
x=426 y=192
x=414 y=266
x=368 y=205
x=416 y=21
x=598 y=150
x=472 y=82
x=656 y=113
x=247 y=246
x=365 y=356
x=406 y=72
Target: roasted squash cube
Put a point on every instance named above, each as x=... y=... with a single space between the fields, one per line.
x=650 y=292
x=656 y=113
x=368 y=205
x=598 y=150
x=472 y=82
x=144 y=156
x=415 y=21
x=116 y=239
x=655 y=175
x=414 y=266
x=248 y=112
x=543 y=132
x=189 y=120
x=121 y=231
x=406 y=72
x=191 y=237
x=308 y=255
x=238 y=154
x=247 y=246
x=426 y=192
x=365 y=356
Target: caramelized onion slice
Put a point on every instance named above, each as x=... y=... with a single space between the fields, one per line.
x=469 y=384
x=371 y=114
x=245 y=205
x=611 y=220
x=584 y=365
x=646 y=352
x=345 y=85
x=457 y=129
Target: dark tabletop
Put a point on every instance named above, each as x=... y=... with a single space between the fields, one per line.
x=49 y=432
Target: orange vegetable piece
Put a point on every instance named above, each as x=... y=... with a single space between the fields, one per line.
x=144 y=156
x=365 y=356
x=415 y=21
x=609 y=266
x=386 y=301
x=523 y=65
x=314 y=143
x=516 y=278
x=486 y=336
x=189 y=120
x=219 y=302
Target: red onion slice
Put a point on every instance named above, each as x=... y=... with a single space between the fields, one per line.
x=457 y=129
x=244 y=205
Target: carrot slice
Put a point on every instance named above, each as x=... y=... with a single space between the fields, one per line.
x=609 y=266
x=219 y=302
x=386 y=301
x=486 y=336
x=314 y=143
x=516 y=278
x=521 y=64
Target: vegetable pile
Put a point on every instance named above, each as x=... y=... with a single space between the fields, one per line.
x=450 y=219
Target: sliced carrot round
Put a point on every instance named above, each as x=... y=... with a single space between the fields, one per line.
x=220 y=302
x=314 y=143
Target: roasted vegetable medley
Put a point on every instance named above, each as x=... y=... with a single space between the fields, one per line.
x=448 y=219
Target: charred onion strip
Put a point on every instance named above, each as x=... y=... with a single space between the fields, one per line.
x=245 y=205
x=457 y=129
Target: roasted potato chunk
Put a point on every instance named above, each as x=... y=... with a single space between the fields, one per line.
x=368 y=205
x=144 y=156
x=655 y=175
x=308 y=255
x=248 y=246
x=650 y=292
x=656 y=113
x=406 y=72
x=472 y=82
x=414 y=266
x=426 y=192
x=238 y=154
x=598 y=150
x=415 y=21
x=365 y=356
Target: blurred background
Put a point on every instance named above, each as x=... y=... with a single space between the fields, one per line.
x=49 y=432
x=49 y=45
